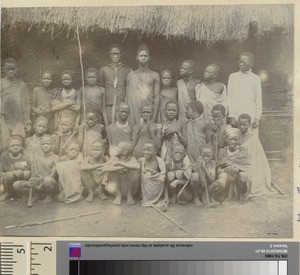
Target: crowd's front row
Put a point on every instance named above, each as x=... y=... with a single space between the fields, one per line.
x=177 y=161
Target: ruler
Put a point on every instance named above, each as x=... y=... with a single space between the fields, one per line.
x=28 y=258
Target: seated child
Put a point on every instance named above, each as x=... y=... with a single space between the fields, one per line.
x=41 y=179
x=14 y=166
x=63 y=136
x=153 y=171
x=145 y=130
x=167 y=92
x=232 y=180
x=94 y=95
x=69 y=174
x=216 y=130
x=181 y=181
x=261 y=172
x=42 y=98
x=89 y=131
x=33 y=143
x=205 y=167
x=172 y=130
x=67 y=102
x=123 y=174
x=92 y=175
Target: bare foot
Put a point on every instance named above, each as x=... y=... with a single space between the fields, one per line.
x=130 y=200
x=61 y=196
x=90 y=197
x=4 y=197
x=103 y=196
x=47 y=199
x=198 y=203
x=117 y=201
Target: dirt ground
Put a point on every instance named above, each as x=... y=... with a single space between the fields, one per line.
x=266 y=217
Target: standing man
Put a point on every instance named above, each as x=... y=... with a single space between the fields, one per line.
x=244 y=92
x=187 y=86
x=142 y=86
x=113 y=78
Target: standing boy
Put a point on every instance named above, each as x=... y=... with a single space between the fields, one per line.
x=113 y=78
x=186 y=86
x=142 y=86
x=15 y=103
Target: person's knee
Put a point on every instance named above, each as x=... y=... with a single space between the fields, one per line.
x=179 y=174
x=19 y=186
x=171 y=176
x=113 y=188
x=49 y=183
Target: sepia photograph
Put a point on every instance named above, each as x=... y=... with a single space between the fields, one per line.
x=162 y=121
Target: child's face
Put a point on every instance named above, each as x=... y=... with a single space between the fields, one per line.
x=46 y=145
x=10 y=70
x=97 y=151
x=207 y=155
x=67 y=80
x=166 y=79
x=171 y=111
x=91 y=79
x=115 y=55
x=123 y=112
x=147 y=113
x=149 y=151
x=245 y=63
x=185 y=69
x=143 y=58
x=209 y=73
x=41 y=127
x=91 y=119
x=15 y=147
x=217 y=117
x=243 y=125
x=73 y=151
x=66 y=127
x=178 y=154
x=46 y=80
x=232 y=142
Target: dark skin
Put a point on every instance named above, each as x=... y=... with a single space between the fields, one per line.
x=210 y=75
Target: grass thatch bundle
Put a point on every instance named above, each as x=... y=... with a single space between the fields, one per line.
x=200 y=23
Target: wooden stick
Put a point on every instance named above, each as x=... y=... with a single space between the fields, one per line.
x=29 y=203
x=50 y=221
x=83 y=93
x=158 y=210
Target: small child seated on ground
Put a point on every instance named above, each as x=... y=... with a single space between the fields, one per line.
x=41 y=180
x=205 y=167
x=232 y=181
x=153 y=171
x=179 y=174
x=69 y=174
x=14 y=166
x=93 y=176
x=123 y=174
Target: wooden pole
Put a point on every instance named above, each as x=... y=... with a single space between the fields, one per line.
x=83 y=92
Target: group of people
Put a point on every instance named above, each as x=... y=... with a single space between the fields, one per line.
x=132 y=134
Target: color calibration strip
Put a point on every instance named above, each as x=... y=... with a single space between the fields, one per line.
x=88 y=267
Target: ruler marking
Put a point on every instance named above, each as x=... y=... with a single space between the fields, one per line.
x=41 y=243
x=5 y=258
x=13 y=262
x=34 y=253
x=12 y=245
x=35 y=264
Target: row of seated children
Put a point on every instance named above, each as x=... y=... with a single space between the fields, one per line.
x=189 y=164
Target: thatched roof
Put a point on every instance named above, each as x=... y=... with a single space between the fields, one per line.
x=200 y=23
